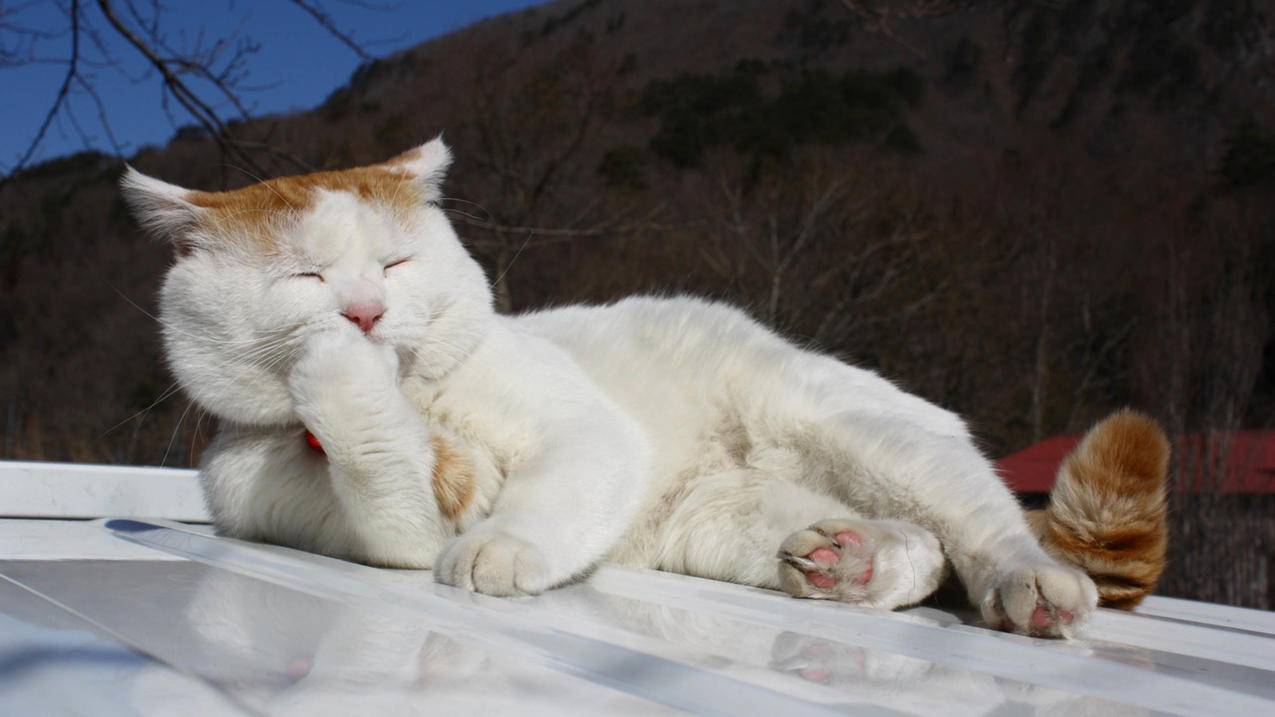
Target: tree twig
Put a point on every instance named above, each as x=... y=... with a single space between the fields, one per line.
x=204 y=114
x=327 y=23
x=72 y=71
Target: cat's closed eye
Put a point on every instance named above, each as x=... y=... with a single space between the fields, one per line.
x=308 y=275
x=397 y=262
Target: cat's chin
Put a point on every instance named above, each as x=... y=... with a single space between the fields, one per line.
x=263 y=409
x=235 y=392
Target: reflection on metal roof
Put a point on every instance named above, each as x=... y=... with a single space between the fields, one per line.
x=134 y=616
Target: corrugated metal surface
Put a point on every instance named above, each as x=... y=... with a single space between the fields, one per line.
x=30 y=489
x=165 y=618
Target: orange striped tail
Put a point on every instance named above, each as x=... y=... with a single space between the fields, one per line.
x=1106 y=513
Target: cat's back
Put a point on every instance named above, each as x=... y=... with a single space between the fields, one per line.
x=679 y=366
x=684 y=365
x=686 y=334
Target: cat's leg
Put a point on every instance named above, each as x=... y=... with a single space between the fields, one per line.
x=893 y=455
x=556 y=517
x=747 y=527
x=377 y=449
x=576 y=474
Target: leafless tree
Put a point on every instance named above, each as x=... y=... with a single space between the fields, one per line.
x=1211 y=336
x=880 y=15
x=829 y=250
x=531 y=126
x=205 y=78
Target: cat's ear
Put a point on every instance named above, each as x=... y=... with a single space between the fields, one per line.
x=428 y=164
x=163 y=209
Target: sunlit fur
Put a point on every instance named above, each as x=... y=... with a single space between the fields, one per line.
x=512 y=454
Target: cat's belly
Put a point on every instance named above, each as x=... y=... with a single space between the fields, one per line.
x=698 y=377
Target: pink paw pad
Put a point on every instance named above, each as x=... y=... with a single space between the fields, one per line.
x=824 y=556
x=816 y=674
x=865 y=576
x=847 y=537
x=822 y=581
x=1040 y=617
x=827 y=557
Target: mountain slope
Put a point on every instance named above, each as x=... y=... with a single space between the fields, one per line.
x=988 y=204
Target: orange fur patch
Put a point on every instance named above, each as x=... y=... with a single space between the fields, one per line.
x=1125 y=454
x=254 y=212
x=1107 y=510
x=453 y=480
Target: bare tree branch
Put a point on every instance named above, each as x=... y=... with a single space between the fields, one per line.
x=325 y=21
x=91 y=91
x=71 y=74
x=879 y=15
x=204 y=74
x=190 y=100
x=607 y=229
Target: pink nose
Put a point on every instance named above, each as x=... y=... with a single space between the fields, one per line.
x=365 y=315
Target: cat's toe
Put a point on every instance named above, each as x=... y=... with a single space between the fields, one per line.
x=830 y=560
x=493 y=564
x=1043 y=600
x=805 y=557
x=845 y=533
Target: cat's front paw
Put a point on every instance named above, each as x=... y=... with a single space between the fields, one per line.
x=339 y=357
x=1044 y=599
x=493 y=563
x=340 y=373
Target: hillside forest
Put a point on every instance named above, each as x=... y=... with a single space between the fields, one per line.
x=1029 y=212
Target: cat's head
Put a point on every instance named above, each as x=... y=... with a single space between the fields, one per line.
x=260 y=268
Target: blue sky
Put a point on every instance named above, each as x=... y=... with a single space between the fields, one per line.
x=298 y=64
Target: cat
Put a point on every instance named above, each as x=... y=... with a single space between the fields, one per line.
x=373 y=406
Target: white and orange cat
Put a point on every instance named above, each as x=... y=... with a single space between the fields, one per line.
x=375 y=407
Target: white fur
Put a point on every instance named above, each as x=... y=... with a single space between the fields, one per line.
x=428 y=164
x=161 y=207
x=670 y=433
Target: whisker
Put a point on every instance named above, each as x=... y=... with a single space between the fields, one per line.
x=510 y=265
x=169 y=326
x=398 y=189
x=467 y=215
x=164 y=395
x=263 y=183
x=199 y=419
x=466 y=201
x=164 y=461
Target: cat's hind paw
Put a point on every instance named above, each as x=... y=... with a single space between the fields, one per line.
x=832 y=559
x=1043 y=600
x=492 y=563
x=874 y=563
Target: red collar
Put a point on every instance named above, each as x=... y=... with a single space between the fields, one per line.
x=314 y=443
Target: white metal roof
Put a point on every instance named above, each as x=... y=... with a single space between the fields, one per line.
x=148 y=616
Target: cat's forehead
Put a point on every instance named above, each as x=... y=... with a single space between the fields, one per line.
x=341 y=224
x=263 y=214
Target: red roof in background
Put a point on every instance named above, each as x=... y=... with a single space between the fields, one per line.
x=1246 y=459
x=1032 y=469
